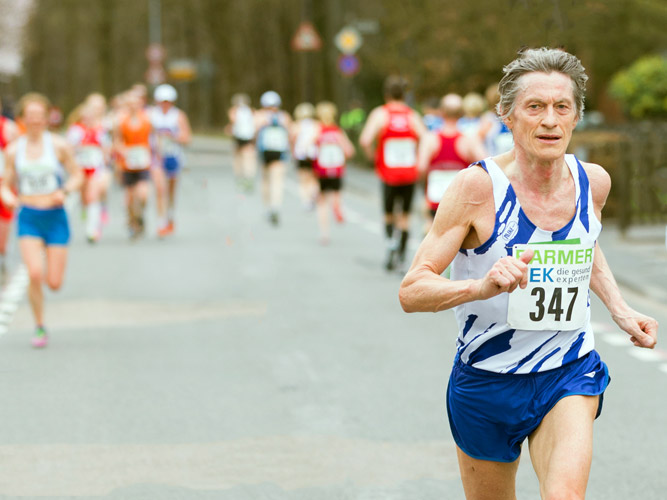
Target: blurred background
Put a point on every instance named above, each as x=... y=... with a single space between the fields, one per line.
x=341 y=50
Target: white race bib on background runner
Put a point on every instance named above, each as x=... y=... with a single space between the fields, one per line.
x=167 y=146
x=90 y=157
x=275 y=139
x=556 y=297
x=438 y=182
x=138 y=158
x=331 y=156
x=400 y=153
x=2 y=163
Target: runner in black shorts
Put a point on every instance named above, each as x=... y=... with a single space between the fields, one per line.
x=396 y=130
x=273 y=144
x=391 y=195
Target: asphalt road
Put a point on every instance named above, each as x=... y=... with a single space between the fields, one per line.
x=239 y=361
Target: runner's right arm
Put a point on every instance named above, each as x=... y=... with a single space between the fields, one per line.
x=370 y=131
x=9 y=199
x=457 y=224
x=427 y=148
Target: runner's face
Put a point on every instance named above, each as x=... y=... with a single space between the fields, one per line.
x=544 y=115
x=165 y=105
x=35 y=116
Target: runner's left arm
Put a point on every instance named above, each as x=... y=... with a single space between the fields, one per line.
x=185 y=131
x=425 y=151
x=346 y=144
x=65 y=154
x=643 y=330
x=9 y=198
x=418 y=125
x=370 y=131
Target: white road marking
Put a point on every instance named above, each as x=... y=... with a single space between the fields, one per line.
x=12 y=297
x=645 y=354
x=617 y=339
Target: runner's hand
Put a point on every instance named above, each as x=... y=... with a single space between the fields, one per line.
x=58 y=197
x=643 y=330
x=506 y=275
x=10 y=201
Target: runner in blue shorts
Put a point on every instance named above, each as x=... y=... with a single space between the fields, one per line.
x=172 y=132
x=36 y=166
x=520 y=231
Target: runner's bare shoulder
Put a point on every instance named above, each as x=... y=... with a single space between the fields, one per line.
x=600 y=182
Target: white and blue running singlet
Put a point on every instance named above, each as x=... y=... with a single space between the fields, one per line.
x=486 y=338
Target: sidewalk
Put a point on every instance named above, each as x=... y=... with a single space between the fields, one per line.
x=638 y=259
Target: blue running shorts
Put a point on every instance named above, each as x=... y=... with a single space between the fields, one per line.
x=49 y=224
x=491 y=414
x=171 y=165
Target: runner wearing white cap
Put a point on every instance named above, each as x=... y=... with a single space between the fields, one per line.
x=273 y=145
x=172 y=132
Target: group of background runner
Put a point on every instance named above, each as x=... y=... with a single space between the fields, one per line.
x=40 y=168
x=405 y=147
x=141 y=144
x=408 y=148
x=318 y=145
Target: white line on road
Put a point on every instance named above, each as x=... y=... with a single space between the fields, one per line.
x=617 y=339
x=645 y=354
x=12 y=296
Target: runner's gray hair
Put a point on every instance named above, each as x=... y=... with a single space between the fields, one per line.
x=543 y=60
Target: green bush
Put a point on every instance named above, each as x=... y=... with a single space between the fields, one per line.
x=642 y=88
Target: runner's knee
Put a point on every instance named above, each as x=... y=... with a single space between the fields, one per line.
x=54 y=283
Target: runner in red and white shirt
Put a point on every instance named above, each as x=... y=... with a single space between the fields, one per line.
x=8 y=132
x=333 y=150
x=395 y=128
x=444 y=153
x=92 y=144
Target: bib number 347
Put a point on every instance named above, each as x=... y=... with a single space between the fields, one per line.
x=556 y=297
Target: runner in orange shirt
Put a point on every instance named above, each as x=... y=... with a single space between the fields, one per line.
x=132 y=141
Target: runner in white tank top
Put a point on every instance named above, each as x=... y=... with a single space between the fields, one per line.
x=36 y=166
x=242 y=128
x=172 y=133
x=303 y=132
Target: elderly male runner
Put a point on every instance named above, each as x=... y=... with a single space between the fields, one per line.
x=521 y=230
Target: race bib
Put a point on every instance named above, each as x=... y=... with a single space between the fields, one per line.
x=2 y=163
x=168 y=147
x=438 y=182
x=138 y=158
x=400 y=153
x=90 y=157
x=36 y=181
x=556 y=297
x=330 y=156
x=275 y=139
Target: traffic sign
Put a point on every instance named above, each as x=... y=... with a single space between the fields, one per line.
x=183 y=70
x=155 y=53
x=306 y=38
x=348 y=40
x=155 y=74
x=349 y=65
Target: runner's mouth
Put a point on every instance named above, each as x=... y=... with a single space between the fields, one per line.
x=547 y=137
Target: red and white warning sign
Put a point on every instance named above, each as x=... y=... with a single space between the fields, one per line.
x=306 y=38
